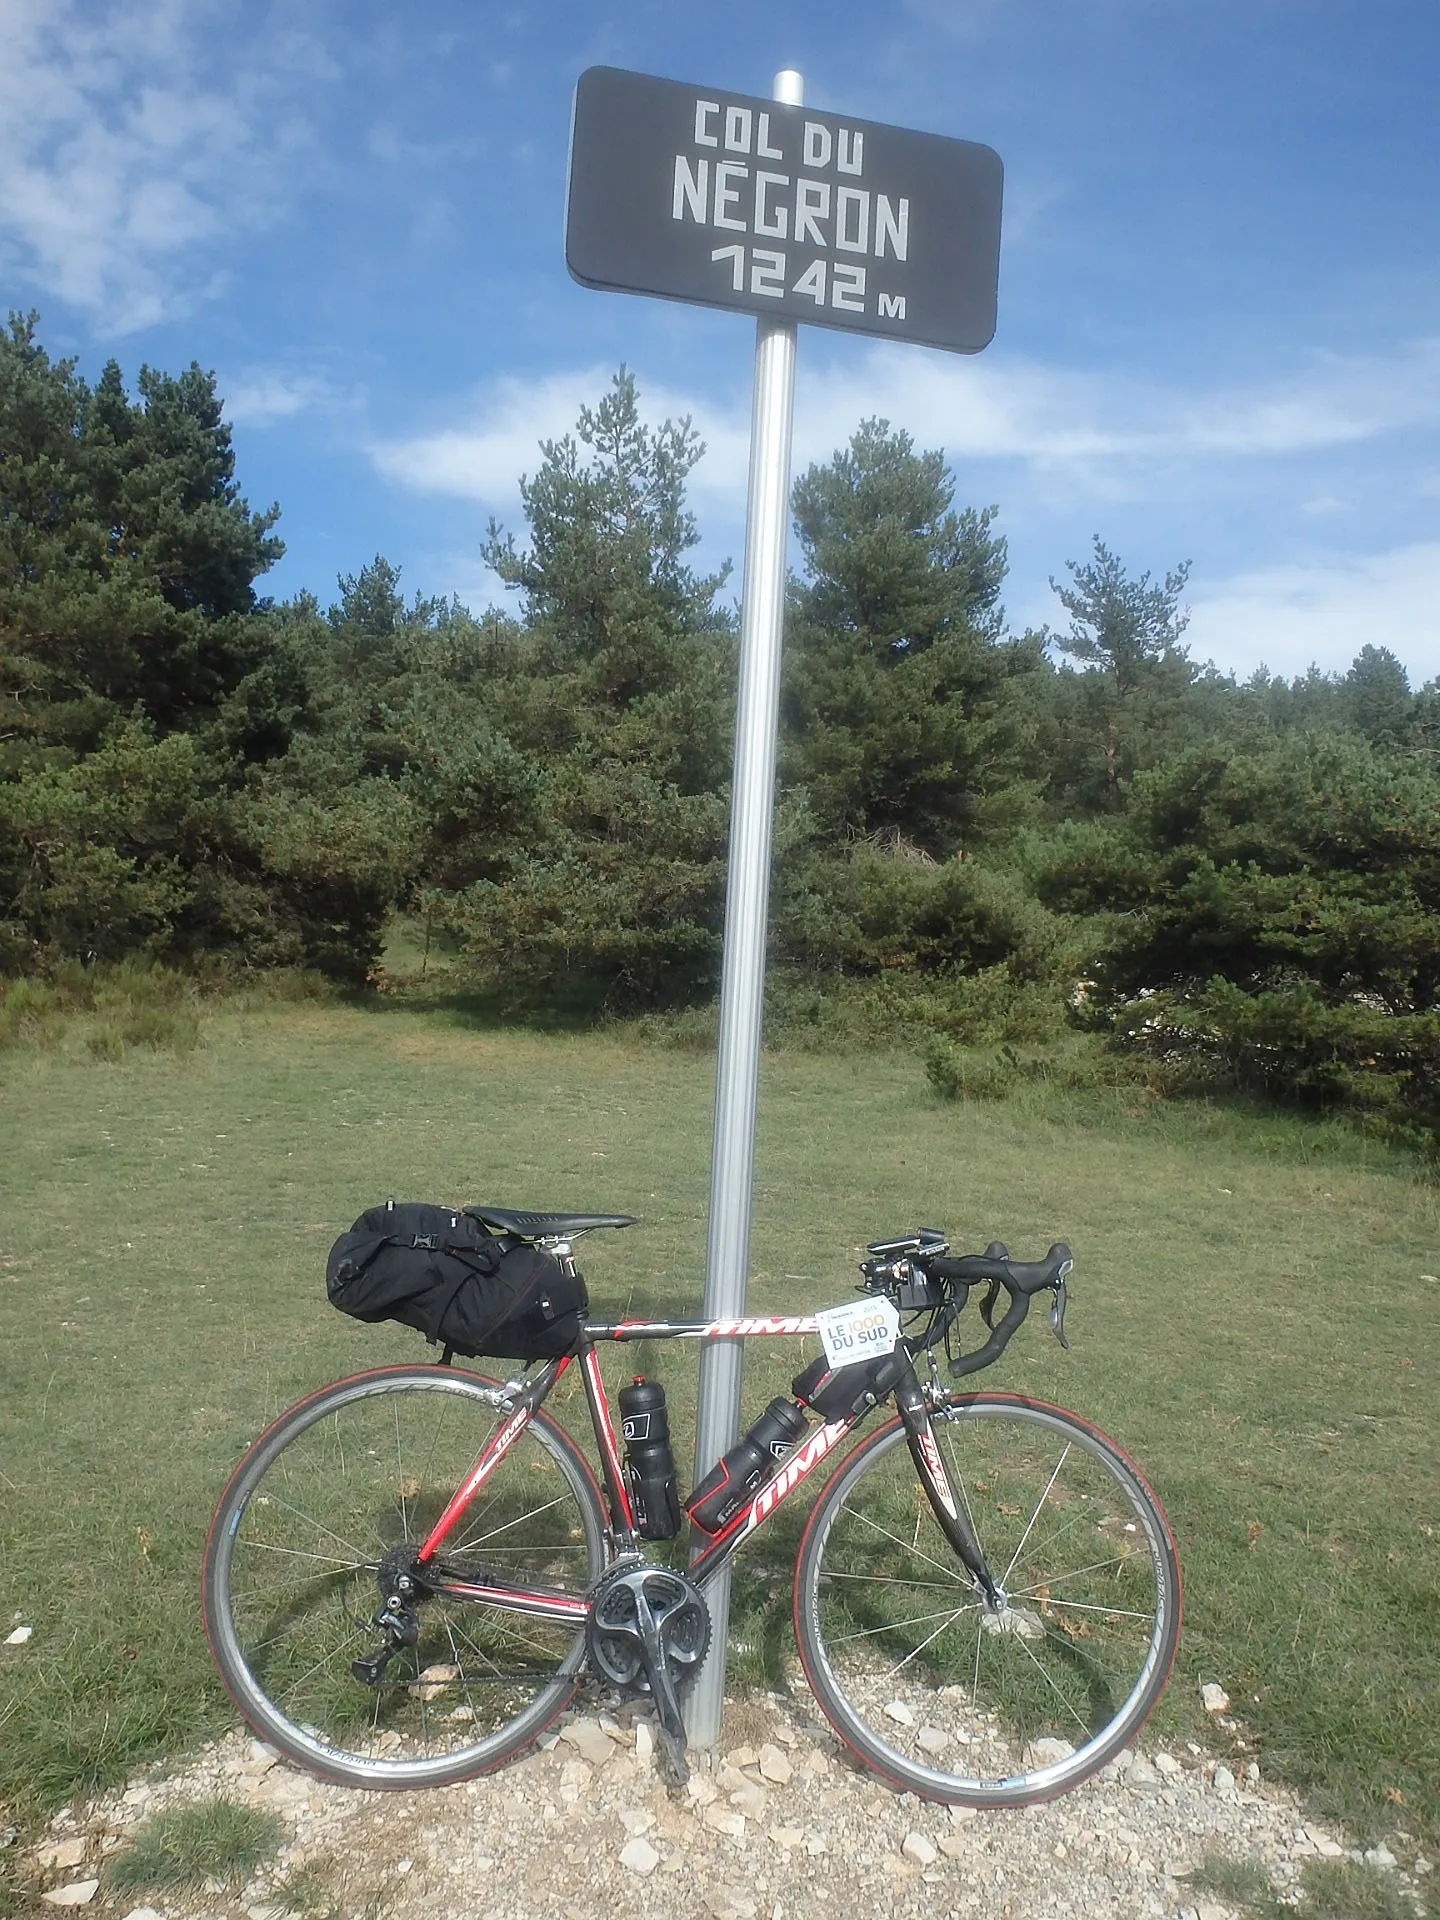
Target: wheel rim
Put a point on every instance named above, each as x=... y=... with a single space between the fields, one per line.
x=935 y=1689
x=296 y=1563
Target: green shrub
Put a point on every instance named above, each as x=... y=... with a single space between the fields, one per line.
x=1291 y=1045
x=185 y=1846
x=956 y=1073
x=106 y=1043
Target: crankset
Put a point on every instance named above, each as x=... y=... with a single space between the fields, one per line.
x=649 y=1632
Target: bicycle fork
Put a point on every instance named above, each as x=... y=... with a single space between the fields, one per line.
x=945 y=1502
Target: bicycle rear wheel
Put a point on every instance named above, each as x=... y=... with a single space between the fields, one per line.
x=346 y=1477
x=930 y=1686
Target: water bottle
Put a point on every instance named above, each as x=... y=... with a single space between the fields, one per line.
x=649 y=1463
x=733 y=1481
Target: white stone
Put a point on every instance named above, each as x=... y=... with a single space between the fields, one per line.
x=432 y=1682
x=142 y=1913
x=775 y=1765
x=953 y=1847
x=636 y=1819
x=724 y=1820
x=644 y=1741
x=742 y=1757
x=730 y=1903
x=932 y=1740
x=787 y=1837
x=1167 y=1764
x=589 y=1740
x=1224 y=1780
x=1047 y=1751
x=750 y=1799
x=61 y=1855
x=919 y=1848
x=1380 y=1857
x=19 y=1636
x=897 y=1711
x=78 y=1894
x=639 y=1856
x=1140 y=1773
x=1214 y=1698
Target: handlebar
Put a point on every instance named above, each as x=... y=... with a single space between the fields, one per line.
x=923 y=1257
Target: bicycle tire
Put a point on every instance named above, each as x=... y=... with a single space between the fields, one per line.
x=928 y=1686
x=290 y=1579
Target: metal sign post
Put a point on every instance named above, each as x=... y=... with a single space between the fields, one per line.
x=764 y=207
x=747 y=912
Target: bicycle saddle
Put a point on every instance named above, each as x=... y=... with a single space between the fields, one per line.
x=544 y=1226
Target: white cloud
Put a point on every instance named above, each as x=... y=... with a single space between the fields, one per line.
x=1048 y=417
x=136 y=137
x=1292 y=616
x=483 y=458
x=1106 y=432
x=260 y=398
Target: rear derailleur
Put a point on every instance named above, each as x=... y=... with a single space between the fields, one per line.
x=397 y=1619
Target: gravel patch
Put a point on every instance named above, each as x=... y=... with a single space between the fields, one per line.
x=777 y=1824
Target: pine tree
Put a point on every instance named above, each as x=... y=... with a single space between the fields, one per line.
x=154 y=715
x=896 y=719
x=605 y=773
x=127 y=556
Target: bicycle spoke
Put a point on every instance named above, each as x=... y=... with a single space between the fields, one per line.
x=290 y=1599
x=1035 y=1516
x=948 y=1615
x=957 y=1698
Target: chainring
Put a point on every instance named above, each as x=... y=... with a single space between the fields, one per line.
x=681 y=1618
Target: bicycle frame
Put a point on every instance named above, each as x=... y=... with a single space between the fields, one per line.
x=552 y=1603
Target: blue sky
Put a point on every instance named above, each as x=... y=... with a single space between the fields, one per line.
x=1219 y=333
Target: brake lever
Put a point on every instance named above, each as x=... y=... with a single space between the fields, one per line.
x=1057 y=1315
x=987 y=1305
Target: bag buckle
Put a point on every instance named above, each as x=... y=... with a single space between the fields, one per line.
x=426 y=1242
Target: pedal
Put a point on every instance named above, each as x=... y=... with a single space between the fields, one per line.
x=670 y=1761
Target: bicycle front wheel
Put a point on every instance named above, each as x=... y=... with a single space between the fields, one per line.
x=292 y=1565
x=934 y=1688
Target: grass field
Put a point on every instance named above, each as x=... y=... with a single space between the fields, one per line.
x=1254 y=1317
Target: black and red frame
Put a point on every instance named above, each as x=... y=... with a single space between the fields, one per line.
x=528 y=1396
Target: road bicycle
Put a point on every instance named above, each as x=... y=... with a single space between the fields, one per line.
x=412 y=1571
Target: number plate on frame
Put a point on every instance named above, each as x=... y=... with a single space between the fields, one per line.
x=860 y=1330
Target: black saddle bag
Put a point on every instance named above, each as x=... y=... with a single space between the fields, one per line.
x=462 y=1286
